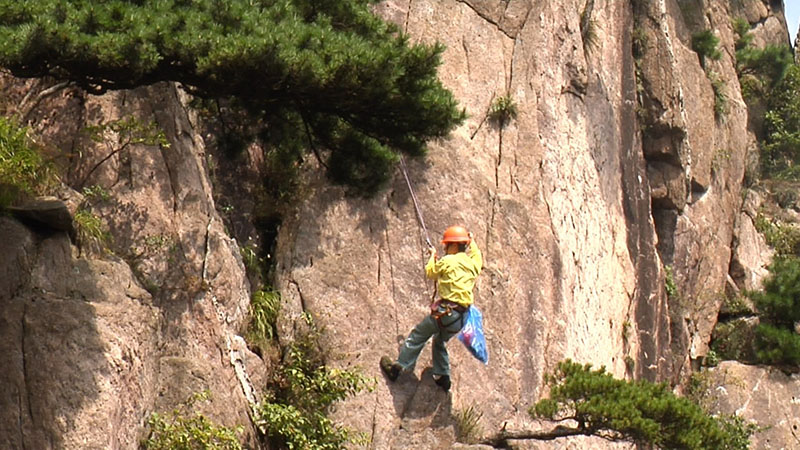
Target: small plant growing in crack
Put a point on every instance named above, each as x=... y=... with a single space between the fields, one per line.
x=91 y=233
x=720 y=96
x=503 y=109
x=589 y=28
x=468 y=424
x=265 y=305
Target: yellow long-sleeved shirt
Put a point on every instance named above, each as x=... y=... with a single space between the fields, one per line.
x=455 y=274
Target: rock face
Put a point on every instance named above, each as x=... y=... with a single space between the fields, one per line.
x=764 y=395
x=559 y=200
x=93 y=342
x=620 y=161
x=78 y=340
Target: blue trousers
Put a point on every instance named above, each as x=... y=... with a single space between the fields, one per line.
x=426 y=329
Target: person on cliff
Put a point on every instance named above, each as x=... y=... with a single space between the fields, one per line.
x=455 y=275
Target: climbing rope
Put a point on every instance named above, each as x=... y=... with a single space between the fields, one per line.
x=420 y=219
x=416 y=203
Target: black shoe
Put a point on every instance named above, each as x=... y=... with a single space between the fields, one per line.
x=390 y=368
x=443 y=382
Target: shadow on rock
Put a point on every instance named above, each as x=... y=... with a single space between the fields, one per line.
x=419 y=402
x=61 y=349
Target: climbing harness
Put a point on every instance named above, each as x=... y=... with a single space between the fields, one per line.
x=444 y=308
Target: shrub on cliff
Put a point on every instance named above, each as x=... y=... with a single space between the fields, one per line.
x=763 y=68
x=327 y=73
x=706 y=44
x=294 y=413
x=781 y=151
x=646 y=413
x=184 y=428
x=778 y=306
x=22 y=169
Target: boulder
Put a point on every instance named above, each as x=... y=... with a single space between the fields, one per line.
x=45 y=212
x=763 y=395
x=751 y=255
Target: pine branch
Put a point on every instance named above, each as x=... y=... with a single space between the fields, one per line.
x=501 y=439
x=28 y=105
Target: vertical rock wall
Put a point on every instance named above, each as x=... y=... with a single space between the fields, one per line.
x=559 y=202
x=94 y=341
x=615 y=165
x=620 y=161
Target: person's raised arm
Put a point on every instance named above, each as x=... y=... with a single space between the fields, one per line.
x=430 y=267
x=475 y=253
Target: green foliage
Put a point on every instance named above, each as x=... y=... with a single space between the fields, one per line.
x=782 y=125
x=712 y=359
x=743 y=36
x=720 y=96
x=630 y=364
x=181 y=429
x=669 y=282
x=768 y=65
x=699 y=388
x=127 y=131
x=118 y=135
x=588 y=28
x=778 y=306
x=294 y=412
x=640 y=41
x=253 y=263
x=735 y=305
x=159 y=243
x=265 y=305
x=639 y=411
x=706 y=45
x=503 y=109
x=778 y=345
x=327 y=74
x=759 y=70
x=90 y=230
x=22 y=170
x=781 y=236
x=468 y=424
x=96 y=193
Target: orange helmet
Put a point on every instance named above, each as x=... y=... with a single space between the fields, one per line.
x=455 y=234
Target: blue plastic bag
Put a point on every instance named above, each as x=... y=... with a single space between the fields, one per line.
x=472 y=335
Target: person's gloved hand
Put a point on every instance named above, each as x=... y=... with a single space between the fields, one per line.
x=431 y=251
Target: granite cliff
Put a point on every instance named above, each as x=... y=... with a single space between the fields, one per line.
x=619 y=172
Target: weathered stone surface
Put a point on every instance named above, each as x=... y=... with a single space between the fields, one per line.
x=763 y=395
x=78 y=340
x=751 y=255
x=558 y=201
x=45 y=212
x=667 y=185
x=17 y=247
x=569 y=243
x=96 y=345
x=679 y=101
x=574 y=227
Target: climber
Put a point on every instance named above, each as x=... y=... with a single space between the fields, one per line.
x=455 y=274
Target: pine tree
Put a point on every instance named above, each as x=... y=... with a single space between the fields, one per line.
x=782 y=127
x=635 y=411
x=778 y=308
x=327 y=73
